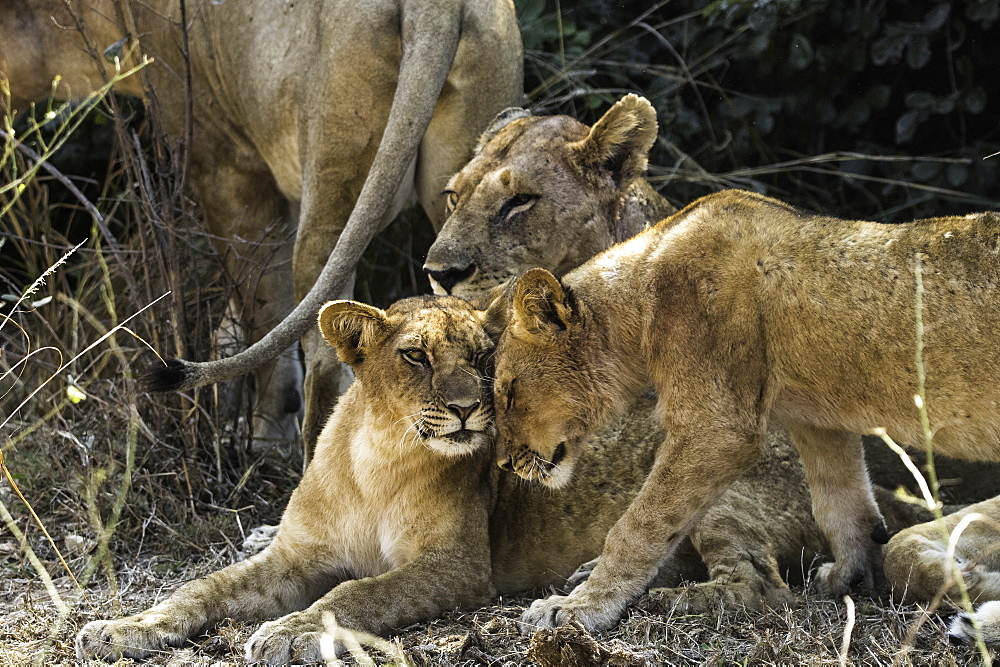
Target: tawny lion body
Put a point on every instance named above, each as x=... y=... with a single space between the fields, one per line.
x=401 y=515
x=548 y=191
x=736 y=309
x=919 y=567
x=303 y=118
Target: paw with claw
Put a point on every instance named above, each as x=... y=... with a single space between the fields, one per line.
x=135 y=637
x=557 y=610
x=292 y=638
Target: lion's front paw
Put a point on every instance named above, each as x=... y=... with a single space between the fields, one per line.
x=557 y=610
x=835 y=580
x=129 y=637
x=292 y=638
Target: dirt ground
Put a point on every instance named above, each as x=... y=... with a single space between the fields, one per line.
x=32 y=630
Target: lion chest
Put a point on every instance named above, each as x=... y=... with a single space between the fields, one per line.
x=361 y=508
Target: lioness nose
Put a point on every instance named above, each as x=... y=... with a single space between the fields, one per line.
x=448 y=278
x=463 y=411
x=506 y=463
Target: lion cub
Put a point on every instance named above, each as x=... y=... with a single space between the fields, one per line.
x=738 y=308
x=388 y=526
x=917 y=565
x=402 y=514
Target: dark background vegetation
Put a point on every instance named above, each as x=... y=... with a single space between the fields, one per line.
x=879 y=109
x=882 y=109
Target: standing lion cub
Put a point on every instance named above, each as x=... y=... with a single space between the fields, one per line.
x=737 y=309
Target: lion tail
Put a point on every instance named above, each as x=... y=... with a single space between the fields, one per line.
x=426 y=61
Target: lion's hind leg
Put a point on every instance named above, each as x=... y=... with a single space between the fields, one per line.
x=843 y=504
x=917 y=562
x=266 y=585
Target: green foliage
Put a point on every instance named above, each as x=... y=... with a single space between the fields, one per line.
x=882 y=109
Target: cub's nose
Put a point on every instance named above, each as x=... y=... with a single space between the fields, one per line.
x=506 y=463
x=448 y=278
x=463 y=412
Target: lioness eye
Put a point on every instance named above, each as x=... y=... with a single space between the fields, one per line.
x=510 y=395
x=515 y=204
x=481 y=359
x=451 y=201
x=415 y=356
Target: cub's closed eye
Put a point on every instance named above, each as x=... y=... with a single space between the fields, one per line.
x=450 y=201
x=510 y=395
x=516 y=204
x=414 y=356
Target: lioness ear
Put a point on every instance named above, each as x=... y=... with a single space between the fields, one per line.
x=500 y=121
x=620 y=141
x=496 y=304
x=351 y=327
x=541 y=306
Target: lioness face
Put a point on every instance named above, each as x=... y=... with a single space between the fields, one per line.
x=525 y=200
x=427 y=358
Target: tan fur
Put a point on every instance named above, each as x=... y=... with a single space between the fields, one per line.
x=397 y=519
x=735 y=309
x=293 y=127
x=919 y=569
x=564 y=192
x=389 y=523
x=760 y=528
x=397 y=515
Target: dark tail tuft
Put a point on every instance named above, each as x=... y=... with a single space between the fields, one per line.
x=167 y=377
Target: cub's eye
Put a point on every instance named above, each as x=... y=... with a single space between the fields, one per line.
x=415 y=356
x=516 y=204
x=450 y=202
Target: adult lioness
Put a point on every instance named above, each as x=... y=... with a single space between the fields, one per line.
x=545 y=191
x=401 y=514
x=737 y=308
x=295 y=112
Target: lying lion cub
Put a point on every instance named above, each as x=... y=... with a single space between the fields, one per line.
x=402 y=514
x=917 y=564
x=737 y=308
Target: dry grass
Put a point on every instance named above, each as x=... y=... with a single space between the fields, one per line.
x=812 y=633
x=139 y=494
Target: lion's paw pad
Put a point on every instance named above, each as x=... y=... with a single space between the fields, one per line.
x=284 y=641
x=557 y=610
x=123 y=638
x=834 y=581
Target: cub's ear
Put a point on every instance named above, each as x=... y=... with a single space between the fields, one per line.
x=620 y=141
x=500 y=121
x=541 y=307
x=352 y=327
